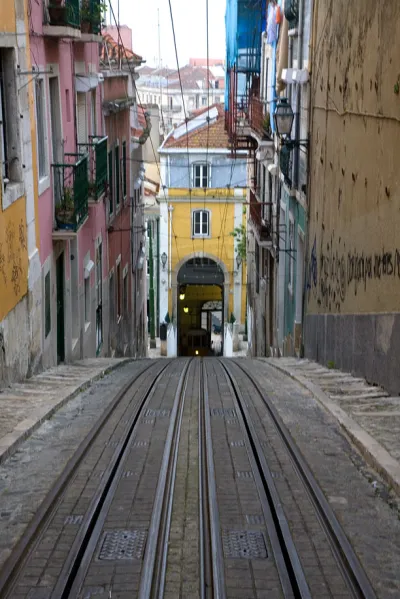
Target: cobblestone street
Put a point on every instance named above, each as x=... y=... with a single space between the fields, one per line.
x=178 y=473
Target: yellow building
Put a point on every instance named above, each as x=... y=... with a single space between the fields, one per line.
x=20 y=282
x=202 y=202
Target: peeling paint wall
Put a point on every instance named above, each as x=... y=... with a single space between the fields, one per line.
x=353 y=260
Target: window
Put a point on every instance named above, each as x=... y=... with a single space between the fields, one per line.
x=216 y=84
x=125 y=292
x=119 y=306
x=99 y=297
x=257 y=265
x=200 y=175
x=124 y=169
x=291 y=253
x=204 y=101
x=10 y=135
x=93 y=112
x=47 y=305
x=201 y=223
x=117 y=176
x=112 y=299
x=110 y=184
x=87 y=299
x=41 y=127
x=217 y=99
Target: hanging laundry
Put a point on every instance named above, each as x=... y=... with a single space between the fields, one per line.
x=272 y=28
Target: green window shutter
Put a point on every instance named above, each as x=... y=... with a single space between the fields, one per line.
x=110 y=183
x=117 y=176
x=124 y=168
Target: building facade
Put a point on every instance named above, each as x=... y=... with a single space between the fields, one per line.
x=201 y=205
x=20 y=280
x=353 y=255
x=267 y=62
x=200 y=87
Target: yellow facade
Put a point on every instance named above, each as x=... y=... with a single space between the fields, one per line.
x=13 y=223
x=220 y=245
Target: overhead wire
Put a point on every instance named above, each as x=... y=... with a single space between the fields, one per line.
x=208 y=120
x=156 y=161
x=184 y=112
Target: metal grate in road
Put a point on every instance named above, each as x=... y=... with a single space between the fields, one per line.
x=254 y=519
x=157 y=413
x=222 y=412
x=247 y=544
x=244 y=474
x=123 y=545
x=237 y=443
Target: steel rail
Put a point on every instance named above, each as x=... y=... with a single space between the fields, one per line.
x=153 y=570
x=348 y=563
x=75 y=568
x=206 y=568
x=291 y=574
x=23 y=548
x=214 y=522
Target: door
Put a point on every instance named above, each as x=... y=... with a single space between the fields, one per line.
x=60 y=308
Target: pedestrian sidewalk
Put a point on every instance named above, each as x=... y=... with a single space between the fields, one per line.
x=24 y=406
x=367 y=413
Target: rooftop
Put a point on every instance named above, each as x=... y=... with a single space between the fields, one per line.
x=199 y=132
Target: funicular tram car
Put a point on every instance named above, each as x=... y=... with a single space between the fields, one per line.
x=198 y=343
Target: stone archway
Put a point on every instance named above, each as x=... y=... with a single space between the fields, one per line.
x=225 y=282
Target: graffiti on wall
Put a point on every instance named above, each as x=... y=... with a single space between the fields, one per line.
x=334 y=274
x=12 y=252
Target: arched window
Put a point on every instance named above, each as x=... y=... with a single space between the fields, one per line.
x=201 y=223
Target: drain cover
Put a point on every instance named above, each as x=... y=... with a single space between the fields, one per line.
x=244 y=543
x=123 y=544
x=237 y=443
x=244 y=474
x=157 y=413
x=222 y=412
x=254 y=519
x=73 y=520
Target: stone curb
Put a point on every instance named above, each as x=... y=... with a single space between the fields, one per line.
x=373 y=452
x=26 y=427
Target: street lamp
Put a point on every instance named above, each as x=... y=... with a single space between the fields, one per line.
x=164 y=259
x=283 y=118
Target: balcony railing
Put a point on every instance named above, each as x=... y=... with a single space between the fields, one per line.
x=96 y=149
x=71 y=191
x=91 y=15
x=64 y=13
x=263 y=228
x=259 y=117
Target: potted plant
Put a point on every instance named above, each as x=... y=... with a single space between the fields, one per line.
x=92 y=16
x=57 y=12
x=267 y=125
x=65 y=210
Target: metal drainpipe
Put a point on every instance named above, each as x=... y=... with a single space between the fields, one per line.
x=296 y=165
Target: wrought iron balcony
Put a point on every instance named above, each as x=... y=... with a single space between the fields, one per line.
x=71 y=191
x=64 y=13
x=262 y=228
x=91 y=16
x=96 y=149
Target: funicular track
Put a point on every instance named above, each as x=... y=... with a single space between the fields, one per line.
x=126 y=497
x=347 y=562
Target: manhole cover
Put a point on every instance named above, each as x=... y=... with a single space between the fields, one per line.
x=123 y=544
x=247 y=544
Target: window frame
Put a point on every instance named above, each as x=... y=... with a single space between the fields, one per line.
x=12 y=179
x=201 y=235
x=201 y=165
x=44 y=177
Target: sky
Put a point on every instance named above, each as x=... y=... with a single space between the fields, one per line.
x=190 y=28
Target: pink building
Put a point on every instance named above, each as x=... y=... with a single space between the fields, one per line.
x=72 y=165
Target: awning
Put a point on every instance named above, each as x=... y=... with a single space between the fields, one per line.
x=85 y=83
